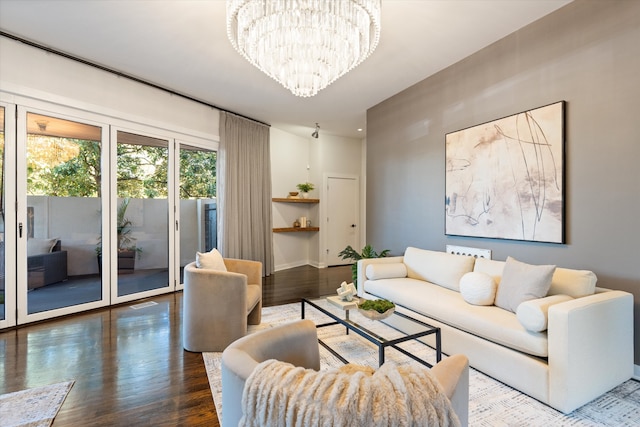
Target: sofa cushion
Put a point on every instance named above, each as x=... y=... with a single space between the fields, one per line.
x=492 y=267
x=440 y=268
x=522 y=282
x=386 y=271
x=489 y=322
x=212 y=260
x=254 y=295
x=478 y=288
x=532 y=314
x=40 y=246
x=575 y=283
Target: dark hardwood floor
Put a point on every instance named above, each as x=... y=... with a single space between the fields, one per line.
x=128 y=364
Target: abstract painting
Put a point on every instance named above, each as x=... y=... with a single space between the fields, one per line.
x=505 y=178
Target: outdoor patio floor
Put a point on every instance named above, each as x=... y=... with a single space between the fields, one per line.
x=83 y=289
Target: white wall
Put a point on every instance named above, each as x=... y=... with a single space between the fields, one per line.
x=28 y=73
x=294 y=160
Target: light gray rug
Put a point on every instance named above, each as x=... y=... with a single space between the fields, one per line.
x=35 y=407
x=491 y=403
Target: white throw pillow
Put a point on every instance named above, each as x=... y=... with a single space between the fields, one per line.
x=212 y=260
x=575 y=283
x=478 y=288
x=522 y=282
x=390 y=270
x=533 y=314
x=40 y=246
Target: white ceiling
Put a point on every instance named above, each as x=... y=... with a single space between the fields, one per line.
x=182 y=45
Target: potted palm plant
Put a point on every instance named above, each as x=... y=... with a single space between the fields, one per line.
x=127 y=249
x=367 y=252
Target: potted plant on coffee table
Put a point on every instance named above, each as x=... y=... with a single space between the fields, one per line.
x=376 y=309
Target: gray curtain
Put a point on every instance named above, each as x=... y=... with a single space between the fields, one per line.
x=244 y=191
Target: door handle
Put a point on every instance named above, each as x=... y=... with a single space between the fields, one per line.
x=353 y=226
x=20 y=230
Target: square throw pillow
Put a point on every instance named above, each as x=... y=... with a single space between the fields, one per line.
x=522 y=282
x=40 y=246
x=212 y=260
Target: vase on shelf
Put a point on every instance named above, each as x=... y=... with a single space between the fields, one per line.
x=304 y=195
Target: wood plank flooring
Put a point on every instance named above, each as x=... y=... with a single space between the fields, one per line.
x=128 y=364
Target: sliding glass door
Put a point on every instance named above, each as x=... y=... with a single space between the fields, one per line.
x=198 y=208
x=90 y=212
x=60 y=203
x=142 y=215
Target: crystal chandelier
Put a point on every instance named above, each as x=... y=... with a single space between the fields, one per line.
x=305 y=45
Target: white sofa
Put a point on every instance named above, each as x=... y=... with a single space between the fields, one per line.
x=586 y=349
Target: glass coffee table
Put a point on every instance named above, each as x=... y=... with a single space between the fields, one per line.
x=348 y=316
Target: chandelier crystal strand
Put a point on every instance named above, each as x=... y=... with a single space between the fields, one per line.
x=305 y=45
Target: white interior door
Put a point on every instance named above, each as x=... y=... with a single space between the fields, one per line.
x=343 y=213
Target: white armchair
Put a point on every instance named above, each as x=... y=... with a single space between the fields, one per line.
x=218 y=305
x=297 y=343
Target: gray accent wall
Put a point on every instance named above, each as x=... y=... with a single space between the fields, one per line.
x=587 y=54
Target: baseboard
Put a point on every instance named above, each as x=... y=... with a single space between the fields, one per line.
x=288 y=265
x=298 y=264
x=636 y=372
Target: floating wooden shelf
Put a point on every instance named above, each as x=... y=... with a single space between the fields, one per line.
x=289 y=200
x=295 y=229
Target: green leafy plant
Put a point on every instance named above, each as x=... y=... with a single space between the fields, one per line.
x=367 y=252
x=379 y=305
x=305 y=187
x=125 y=241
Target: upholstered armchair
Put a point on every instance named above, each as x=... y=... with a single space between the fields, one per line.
x=218 y=305
x=297 y=343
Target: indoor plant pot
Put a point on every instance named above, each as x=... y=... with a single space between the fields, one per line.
x=376 y=309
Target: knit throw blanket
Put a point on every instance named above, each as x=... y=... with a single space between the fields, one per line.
x=280 y=394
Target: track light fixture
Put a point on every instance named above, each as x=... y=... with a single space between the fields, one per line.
x=315 y=133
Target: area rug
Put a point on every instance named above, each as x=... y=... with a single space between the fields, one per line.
x=35 y=407
x=491 y=403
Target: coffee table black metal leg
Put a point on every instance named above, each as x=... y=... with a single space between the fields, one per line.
x=346 y=316
x=380 y=355
x=438 y=347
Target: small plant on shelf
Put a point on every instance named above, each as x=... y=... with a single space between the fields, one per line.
x=305 y=187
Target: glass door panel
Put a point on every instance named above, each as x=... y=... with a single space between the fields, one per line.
x=198 y=209
x=8 y=289
x=142 y=214
x=7 y=245
x=62 y=221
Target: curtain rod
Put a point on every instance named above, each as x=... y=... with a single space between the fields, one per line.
x=120 y=74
